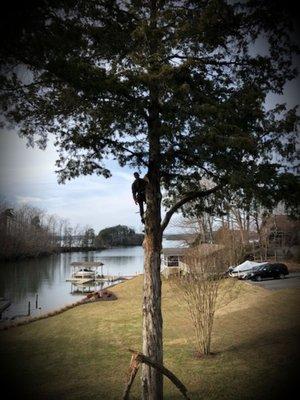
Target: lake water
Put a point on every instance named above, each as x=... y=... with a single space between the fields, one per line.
x=21 y=281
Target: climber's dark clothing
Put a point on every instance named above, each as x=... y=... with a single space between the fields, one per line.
x=139 y=194
x=139 y=188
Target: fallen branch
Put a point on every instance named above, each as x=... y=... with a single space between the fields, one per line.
x=134 y=366
x=138 y=358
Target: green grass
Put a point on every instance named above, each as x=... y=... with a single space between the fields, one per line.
x=82 y=353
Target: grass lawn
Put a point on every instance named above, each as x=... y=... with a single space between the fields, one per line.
x=82 y=353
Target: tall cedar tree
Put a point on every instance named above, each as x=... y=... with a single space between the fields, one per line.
x=175 y=87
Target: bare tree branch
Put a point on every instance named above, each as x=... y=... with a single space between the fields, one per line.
x=185 y=199
x=141 y=358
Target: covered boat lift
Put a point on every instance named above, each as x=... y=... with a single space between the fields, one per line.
x=89 y=271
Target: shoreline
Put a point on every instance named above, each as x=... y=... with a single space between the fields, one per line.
x=21 y=258
x=25 y=257
x=27 y=319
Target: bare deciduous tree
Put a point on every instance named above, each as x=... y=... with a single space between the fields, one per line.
x=199 y=287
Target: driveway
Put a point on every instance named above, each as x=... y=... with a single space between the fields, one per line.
x=291 y=281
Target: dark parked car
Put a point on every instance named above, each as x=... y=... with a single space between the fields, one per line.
x=268 y=271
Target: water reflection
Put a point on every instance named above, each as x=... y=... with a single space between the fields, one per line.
x=21 y=281
x=23 y=277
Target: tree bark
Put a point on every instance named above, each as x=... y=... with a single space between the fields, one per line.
x=152 y=385
x=152 y=381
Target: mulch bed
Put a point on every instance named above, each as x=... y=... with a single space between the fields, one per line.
x=100 y=295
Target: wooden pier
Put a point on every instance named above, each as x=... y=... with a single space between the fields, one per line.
x=103 y=278
x=80 y=281
x=93 y=279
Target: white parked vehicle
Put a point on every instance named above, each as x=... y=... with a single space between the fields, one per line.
x=242 y=270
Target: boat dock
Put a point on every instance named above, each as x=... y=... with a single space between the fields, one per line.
x=85 y=276
x=103 y=278
x=80 y=281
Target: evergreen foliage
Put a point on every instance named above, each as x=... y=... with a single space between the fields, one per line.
x=84 y=71
x=177 y=87
x=119 y=235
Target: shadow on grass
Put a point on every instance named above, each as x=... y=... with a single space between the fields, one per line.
x=269 y=339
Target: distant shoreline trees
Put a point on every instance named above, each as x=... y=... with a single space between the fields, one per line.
x=119 y=235
x=28 y=231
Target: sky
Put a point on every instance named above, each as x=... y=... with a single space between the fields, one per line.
x=27 y=175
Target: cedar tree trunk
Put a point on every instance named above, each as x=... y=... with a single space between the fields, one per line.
x=152 y=381
x=152 y=318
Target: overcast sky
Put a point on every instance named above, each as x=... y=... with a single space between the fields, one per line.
x=27 y=175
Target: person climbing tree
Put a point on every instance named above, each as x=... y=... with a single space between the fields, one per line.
x=139 y=193
x=180 y=89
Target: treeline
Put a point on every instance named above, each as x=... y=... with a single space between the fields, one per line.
x=254 y=231
x=28 y=231
x=119 y=235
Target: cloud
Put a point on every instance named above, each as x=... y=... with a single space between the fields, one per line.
x=124 y=175
x=28 y=199
x=27 y=176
